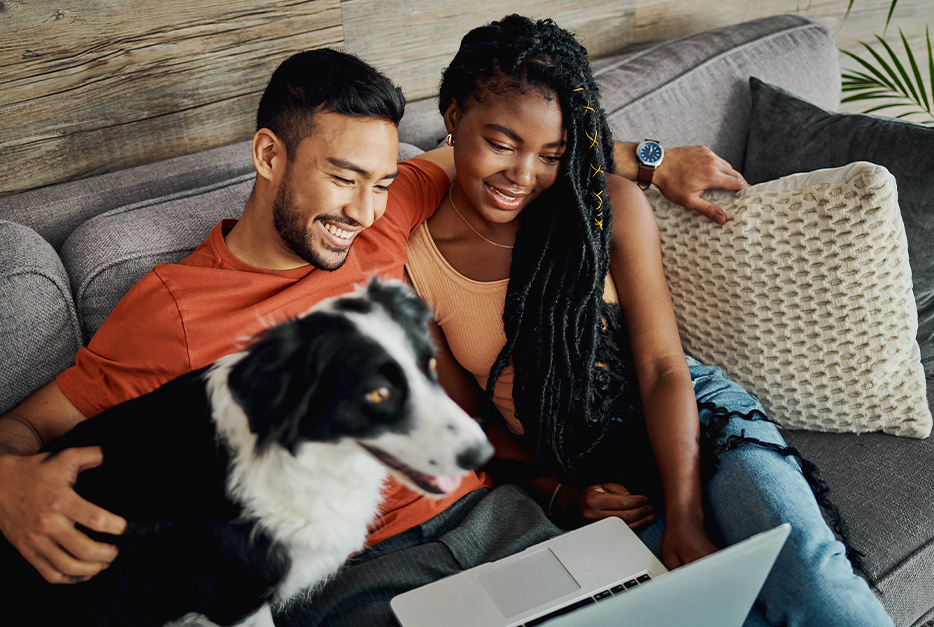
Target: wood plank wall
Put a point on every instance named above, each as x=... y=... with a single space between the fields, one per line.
x=107 y=84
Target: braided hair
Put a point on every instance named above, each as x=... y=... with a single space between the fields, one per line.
x=558 y=328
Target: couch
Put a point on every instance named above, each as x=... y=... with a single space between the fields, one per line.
x=70 y=251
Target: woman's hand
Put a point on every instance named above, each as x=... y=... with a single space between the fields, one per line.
x=684 y=542
x=611 y=499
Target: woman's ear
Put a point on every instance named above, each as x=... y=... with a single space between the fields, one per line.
x=451 y=117
x=268 y=153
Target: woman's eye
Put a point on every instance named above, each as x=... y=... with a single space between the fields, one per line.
x=497 y=147
x=378 y=395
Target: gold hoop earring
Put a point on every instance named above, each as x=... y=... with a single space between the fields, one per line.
x=449 y=140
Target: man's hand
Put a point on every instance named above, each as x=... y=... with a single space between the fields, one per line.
x=689 y=171
x=39 y=509
x=611 y=499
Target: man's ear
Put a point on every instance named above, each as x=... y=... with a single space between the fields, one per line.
x=268 y=154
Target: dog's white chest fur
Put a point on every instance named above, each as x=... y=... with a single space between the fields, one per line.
x=317 y=503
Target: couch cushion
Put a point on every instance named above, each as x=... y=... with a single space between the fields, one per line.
x=54 y=212
x=39 y=331
x=107 y=254
x=695 y=90
x=883 y=487
x=804 y=298
x=789 y=134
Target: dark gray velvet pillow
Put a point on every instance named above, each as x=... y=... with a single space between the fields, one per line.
x=789 y=135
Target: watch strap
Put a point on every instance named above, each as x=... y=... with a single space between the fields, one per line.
x=644 y=177
x=646 y=172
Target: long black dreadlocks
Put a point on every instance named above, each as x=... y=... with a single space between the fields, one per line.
x=554 y=301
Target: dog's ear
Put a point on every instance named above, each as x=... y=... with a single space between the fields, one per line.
x=405 y=307
x=276 y=382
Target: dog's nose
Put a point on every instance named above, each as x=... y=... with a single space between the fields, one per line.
x=475 y=456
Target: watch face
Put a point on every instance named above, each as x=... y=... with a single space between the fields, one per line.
x=650 y=153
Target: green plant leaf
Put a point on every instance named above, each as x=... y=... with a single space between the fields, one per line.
x=914 y=69
x=927 y=30
x=872 y=69
x=876 y=95
x=889 y=18
x=909 y=87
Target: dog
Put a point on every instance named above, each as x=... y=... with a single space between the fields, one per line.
x=255 y=478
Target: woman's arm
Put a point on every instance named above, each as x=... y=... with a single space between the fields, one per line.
x=664 y=379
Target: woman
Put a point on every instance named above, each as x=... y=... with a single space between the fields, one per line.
x=524 y=262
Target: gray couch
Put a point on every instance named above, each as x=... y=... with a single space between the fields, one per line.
x=69 y=252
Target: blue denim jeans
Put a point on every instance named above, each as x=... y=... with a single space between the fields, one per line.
x=754 y=489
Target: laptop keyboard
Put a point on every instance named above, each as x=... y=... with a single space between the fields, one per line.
x=599 y=596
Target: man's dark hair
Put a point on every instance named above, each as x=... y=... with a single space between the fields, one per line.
x=324 y=79
x=554 y=314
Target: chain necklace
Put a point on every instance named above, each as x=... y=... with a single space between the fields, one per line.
x=479 y=234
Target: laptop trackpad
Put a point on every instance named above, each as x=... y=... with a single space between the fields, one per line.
x=522 y=584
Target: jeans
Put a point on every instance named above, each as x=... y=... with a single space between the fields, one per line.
x=753 y=489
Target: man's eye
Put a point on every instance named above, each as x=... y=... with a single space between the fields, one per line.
x=382 y=189
x=379 y=395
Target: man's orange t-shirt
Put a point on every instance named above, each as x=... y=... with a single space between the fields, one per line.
x=184 y=316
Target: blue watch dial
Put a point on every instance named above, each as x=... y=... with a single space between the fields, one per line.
x=650 y=153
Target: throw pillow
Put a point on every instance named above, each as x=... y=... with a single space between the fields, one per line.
x=804 y=297
x=788 y=134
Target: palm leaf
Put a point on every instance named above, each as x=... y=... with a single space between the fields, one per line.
x=881 y=78
x=901 y=68
x=889 y=18
x=879 y=75
x=914 y=68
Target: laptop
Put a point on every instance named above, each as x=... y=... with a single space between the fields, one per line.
x=598 y=575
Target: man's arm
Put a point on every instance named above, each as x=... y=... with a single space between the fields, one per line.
x=442 y=157
x=685 y=173
x=38 y=505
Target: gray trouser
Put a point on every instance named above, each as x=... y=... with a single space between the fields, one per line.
x=483 y=526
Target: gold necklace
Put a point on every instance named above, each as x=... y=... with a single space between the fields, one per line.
x=479 y=234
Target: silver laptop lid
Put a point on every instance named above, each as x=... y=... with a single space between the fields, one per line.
x=716 y=591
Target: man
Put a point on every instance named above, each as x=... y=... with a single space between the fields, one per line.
x=330 y=207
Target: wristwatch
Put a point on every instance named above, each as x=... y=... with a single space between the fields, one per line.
x=649 y=155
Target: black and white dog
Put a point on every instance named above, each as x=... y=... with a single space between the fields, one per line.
x=248 y=481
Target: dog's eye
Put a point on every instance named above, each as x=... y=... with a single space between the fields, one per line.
x=378 y=395
x=432 y=364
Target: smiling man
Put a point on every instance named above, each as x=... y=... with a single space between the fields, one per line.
x=319 y=220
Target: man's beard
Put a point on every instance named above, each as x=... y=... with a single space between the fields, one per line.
x=298 y=234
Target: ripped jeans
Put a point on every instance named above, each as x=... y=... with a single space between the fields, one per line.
x=754 y=489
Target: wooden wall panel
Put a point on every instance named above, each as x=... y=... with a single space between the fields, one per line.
x=105 y=85
x=414 y=40
x=108 y=84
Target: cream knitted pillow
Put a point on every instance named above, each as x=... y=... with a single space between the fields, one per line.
x=804 y=297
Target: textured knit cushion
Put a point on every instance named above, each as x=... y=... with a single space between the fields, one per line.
x=804 y=298
x=788 y=134
x=107 y=254
x=39 y=332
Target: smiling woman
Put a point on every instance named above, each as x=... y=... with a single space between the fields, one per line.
x=571 y=330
